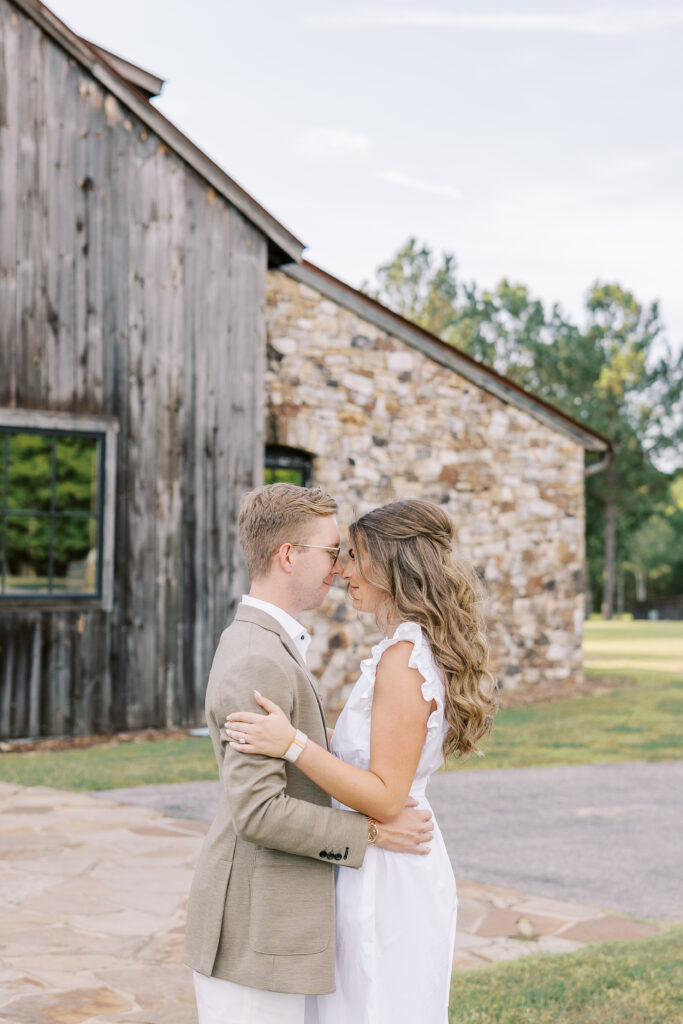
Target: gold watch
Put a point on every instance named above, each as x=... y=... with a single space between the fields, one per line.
x=373 y=831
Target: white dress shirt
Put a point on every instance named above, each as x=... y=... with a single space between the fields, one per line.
x=294 y=629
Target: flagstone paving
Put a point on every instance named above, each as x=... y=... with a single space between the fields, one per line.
x=92 y=910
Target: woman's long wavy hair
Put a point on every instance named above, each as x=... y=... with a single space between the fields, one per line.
x=407 y=549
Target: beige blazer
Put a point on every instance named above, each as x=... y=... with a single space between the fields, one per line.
x=261 y=910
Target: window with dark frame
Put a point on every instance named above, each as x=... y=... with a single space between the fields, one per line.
x=288 y=465
x=51 y=513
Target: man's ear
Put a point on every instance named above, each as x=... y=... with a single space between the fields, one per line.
x=284 y=557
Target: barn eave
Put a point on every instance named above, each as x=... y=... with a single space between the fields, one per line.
x=444 y=354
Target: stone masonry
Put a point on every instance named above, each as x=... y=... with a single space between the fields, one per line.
x=384 y=421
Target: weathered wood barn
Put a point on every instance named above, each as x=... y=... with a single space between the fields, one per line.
x=132 y=291
x=161 y=341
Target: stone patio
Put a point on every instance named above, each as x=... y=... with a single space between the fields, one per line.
x=93 y=900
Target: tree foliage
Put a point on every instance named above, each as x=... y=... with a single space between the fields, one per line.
x=615 y=373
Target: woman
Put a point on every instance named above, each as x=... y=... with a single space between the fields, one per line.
x=421 y=696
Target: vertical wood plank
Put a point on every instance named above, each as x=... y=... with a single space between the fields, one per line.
x=142 y=438
x=19 y=683
x=57 y=679
x=248 y=276
x=200 y=455
x=9 y=158
x=29 y=348
x=34 y=704
x=7 y=676
x=192 y=704
x=57 y=352
x=170 y=380
x=116 y=371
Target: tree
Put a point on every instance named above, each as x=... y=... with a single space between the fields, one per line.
x=615 y=374
x=411 y=285
x=650 y=549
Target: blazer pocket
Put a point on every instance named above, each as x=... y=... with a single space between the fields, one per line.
x=292 y=900
x=205 y=911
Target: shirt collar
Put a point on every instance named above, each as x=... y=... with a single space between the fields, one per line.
x=294 y=629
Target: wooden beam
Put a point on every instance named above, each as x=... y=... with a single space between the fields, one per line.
x=142 y=79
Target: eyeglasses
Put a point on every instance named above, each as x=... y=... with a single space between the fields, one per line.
x=333 y=552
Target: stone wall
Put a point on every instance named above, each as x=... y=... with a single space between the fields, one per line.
x=384 y=422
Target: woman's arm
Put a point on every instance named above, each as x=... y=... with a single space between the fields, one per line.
x=399 y=725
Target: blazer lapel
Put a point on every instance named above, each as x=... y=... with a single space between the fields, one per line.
x=260 y=618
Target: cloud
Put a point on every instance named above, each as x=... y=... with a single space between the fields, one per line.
x=323 y=141
x=397 y=178
x=604 y=21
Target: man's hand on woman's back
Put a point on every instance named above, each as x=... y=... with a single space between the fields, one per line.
x=410 y=832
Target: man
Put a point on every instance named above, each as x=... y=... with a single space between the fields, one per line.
x=260 y=927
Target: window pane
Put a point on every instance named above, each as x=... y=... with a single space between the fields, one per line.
x=29 y=477
x=274 y=475
x=28 y=545
x=76 y=475
x=75 y=556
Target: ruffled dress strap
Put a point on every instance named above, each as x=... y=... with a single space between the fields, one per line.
x=421 y=658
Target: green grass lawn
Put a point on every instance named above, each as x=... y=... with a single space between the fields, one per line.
x=637 y=722
x=611 y=983
x=115 y=767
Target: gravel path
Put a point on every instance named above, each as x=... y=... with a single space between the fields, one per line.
x=610 y=835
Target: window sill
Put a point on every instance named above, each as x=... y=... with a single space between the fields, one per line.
x=52 y=604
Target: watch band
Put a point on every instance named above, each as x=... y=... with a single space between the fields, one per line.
x=296 y=746
x=373 y=831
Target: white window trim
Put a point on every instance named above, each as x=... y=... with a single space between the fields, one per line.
x=75 y=423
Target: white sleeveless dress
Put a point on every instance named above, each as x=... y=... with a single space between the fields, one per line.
x=396 y=914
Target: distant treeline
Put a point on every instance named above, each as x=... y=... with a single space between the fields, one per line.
x=616 y=373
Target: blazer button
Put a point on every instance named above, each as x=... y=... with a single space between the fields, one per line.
x=323 y=853
x=337 y=856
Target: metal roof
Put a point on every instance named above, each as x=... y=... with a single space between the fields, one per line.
x=441 y=352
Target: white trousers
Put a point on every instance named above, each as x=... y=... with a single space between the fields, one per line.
x=226 y=1002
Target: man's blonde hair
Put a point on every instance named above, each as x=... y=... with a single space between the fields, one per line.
x=274 y=515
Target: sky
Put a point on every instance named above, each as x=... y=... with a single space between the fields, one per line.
x=539 y=142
